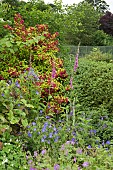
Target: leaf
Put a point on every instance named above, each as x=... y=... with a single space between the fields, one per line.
x=24 y=122
x=10 y=115
x=24 y=101
x=11 y=50
x=3 y=119
x=8 y=44
x=29 y=105
x=15 y=120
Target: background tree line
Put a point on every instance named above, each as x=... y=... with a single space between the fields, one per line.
x=88 y=22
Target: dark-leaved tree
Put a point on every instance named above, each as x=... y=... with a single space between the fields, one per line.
x=106 y=23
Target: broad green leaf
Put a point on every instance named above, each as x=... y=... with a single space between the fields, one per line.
x=8 y=44
x=24 y=122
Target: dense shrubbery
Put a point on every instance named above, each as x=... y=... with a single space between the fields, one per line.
x=39 y=130
x=94 y=84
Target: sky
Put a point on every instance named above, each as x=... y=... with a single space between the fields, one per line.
x=109 y=2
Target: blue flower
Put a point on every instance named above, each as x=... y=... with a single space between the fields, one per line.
x=17 y=84
x=34 y=129
x=2 y=94
x=33 y=123
x=37 y=92
x=44 y=136
x=108 y=142
x=93 y=131
x=56 y=139
x=89 y=146
x=29 y=134
x=41 y=111
x=47 y=117
x=44 y=129
x=42 y=140
x=50 y=135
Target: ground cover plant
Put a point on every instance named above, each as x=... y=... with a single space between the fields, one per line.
x=46 y=123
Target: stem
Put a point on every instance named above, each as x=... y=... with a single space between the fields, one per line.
x=74 y=111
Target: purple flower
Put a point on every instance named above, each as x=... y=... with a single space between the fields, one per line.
x=63 y=147
x=56 y=139
x=71 y=82
x=79 y=151
x=92 y=131
x=85 y=164
x=103 y=143
x=42 y=140
x=17 y=84
x=68 y=142
x=71 y=113
x=108 y=142
x=76 y=60
x=2 y=94
x=74 y=133
x=45 y=126
x=50 y=135
x=74 y=160
x=56 y=167
x=34 y=129
x=89 y=146
x=35 y=153
x=29 y=134
x=41 y=111
x=43 y=152
x=33 y=123
x=37 y=92
x=47 y=117
x=30 y=161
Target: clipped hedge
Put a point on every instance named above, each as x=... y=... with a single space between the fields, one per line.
x=94 y=84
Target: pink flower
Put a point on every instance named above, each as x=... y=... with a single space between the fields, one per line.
x=71 y=82
x=74 y=159
x=85 y=164
x=76 y=59
x=76 y=62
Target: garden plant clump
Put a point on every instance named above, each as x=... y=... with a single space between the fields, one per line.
x=52 y=115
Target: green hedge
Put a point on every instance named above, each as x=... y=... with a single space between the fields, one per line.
x=94 y=84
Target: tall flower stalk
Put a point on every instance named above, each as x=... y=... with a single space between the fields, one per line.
x=72 y=102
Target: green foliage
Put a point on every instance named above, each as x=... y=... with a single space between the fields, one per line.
x=94 y=84
x=13 y=106
x=36 y=77
x=100 y=38
x=12 y=155
x=81 y=23
x=97 y=55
